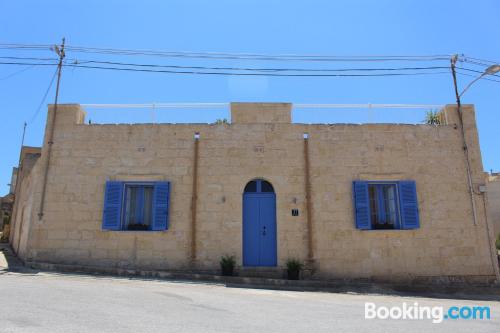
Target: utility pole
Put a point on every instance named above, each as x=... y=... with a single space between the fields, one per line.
x=60 y=52
x=464 y=142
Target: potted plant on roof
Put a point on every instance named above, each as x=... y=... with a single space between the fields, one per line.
x=227 y=264
x=293 y=267
x=432 y=118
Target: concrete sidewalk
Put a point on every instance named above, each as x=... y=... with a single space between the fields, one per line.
x=9 y=262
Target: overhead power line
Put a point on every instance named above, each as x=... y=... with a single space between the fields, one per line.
x=43 y=98
x=80 y=62
x=472 y=75
x=280 y=72
x=257 y=69
x=25 y=63
x=248 y=56
x=26 y=46
x=201 y=70
x=490 y=62
x=476 y=71
x=28 y=58
x=247 y=74
x=17 y=72
x=223 y=55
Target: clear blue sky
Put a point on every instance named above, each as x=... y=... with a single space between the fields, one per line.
x=270 y=27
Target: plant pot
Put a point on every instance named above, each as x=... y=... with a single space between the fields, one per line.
x=227 y=270
x=293 y=274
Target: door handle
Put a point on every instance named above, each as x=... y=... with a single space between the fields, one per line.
x=263 y=230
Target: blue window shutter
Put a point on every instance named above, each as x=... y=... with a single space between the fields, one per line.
x=111 y=216
x=161 y=197
x=409 y=205
x=361 y=205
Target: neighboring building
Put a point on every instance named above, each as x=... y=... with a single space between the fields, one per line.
x=381 y=201
x=6 y=206
x=494 y=202
x=6 y=203
x=20 y=187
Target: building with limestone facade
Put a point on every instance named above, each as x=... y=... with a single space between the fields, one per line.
x=376 y=201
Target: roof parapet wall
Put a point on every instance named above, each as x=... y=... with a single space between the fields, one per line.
x=253 y=113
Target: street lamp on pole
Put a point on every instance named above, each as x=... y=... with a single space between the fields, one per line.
x=492 y=70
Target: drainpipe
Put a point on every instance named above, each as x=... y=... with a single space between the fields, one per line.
x=310 y=253
x=194 y=198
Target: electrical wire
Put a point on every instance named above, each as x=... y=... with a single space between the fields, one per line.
x=223 y=56
x=476 y=71
x=125 y=51
x=483 y=78
x=239 y=56
x=26 y=63
x=247 y=74
x=26 y=46
x=43 y=98
x=17 y=72
x=29 y=58
x=78 y=62
x=203 y=70
x=490 y=62
x=256 y=69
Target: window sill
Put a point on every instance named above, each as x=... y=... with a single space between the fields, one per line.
x=389 y=233
x=140 y=231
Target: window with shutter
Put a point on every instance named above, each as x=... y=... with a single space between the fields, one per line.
x=160 y=203
x=136 y=206
x=385 y=205
x=409 y=205
x=361 y=205
x=113 y=196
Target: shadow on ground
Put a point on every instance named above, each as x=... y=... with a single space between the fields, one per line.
x=10 y=263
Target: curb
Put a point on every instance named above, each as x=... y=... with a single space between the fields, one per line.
x=458 y=290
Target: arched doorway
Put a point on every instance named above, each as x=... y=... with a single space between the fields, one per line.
x=259 y=224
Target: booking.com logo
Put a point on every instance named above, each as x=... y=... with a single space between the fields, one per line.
x=418 y=312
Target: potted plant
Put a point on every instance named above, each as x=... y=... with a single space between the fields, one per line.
x=227 y=264
x=293 y=267
x=432 y=118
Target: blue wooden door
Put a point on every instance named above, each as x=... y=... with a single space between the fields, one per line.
x=267 y=225
x=259 y=228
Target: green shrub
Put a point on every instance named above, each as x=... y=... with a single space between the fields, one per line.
x=294 y=265
x=432 y=118
x=227 y=264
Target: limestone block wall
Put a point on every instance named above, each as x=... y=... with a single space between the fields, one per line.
x=261 y=113
x=25 y=203
x=230 y=155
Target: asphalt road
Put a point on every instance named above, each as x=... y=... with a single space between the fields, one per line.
x=47 y=302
